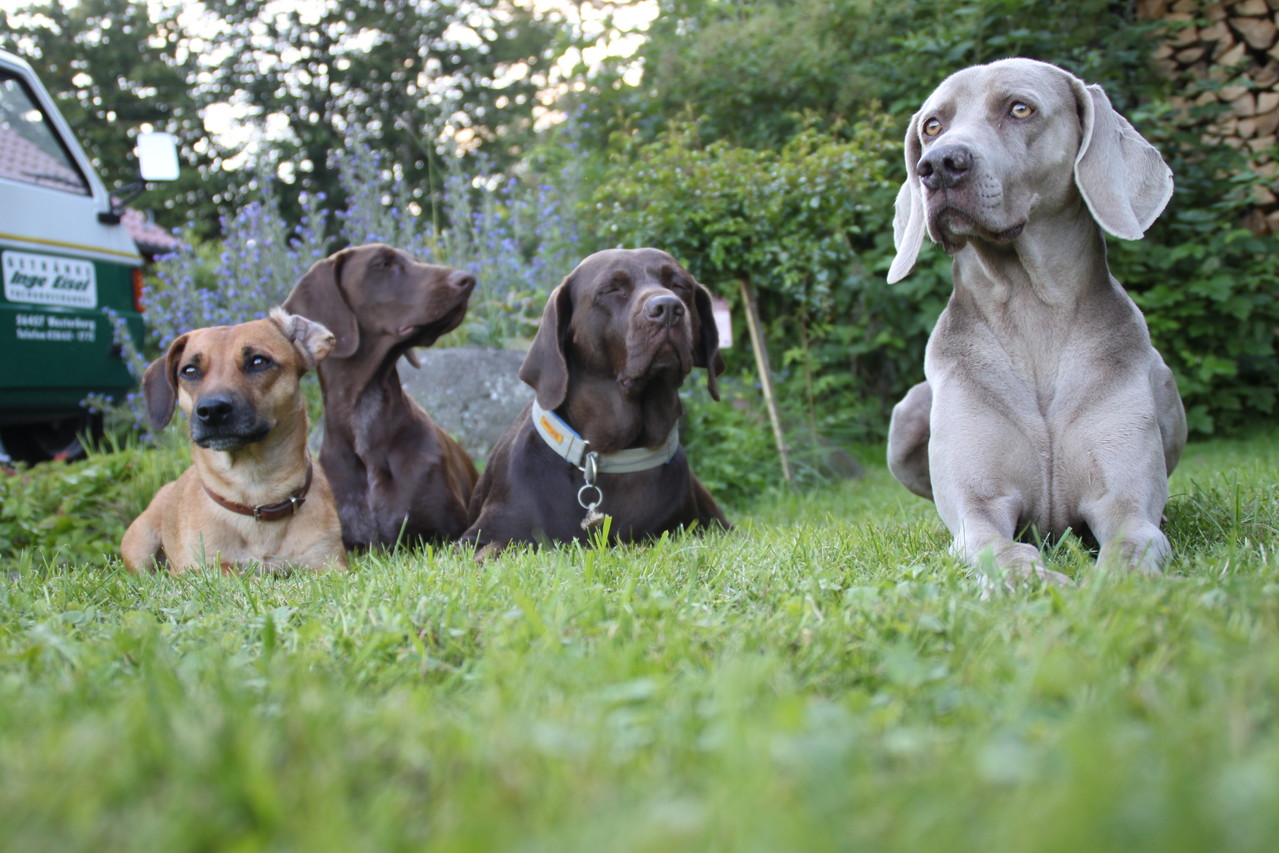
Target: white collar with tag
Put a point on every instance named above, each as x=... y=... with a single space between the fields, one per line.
x=570 y=446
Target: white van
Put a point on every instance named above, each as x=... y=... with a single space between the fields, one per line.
x=65 y=259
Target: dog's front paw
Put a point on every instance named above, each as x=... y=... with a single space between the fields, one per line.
x=1018 y=579
x=1019 y=566
x=1143 y=551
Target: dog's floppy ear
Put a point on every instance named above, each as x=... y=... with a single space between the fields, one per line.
x=1122 y=177
x=707 y=354
x=908 y=215
x=545 y=367
x=313 y=341
x=160 y=384
x=318 y=297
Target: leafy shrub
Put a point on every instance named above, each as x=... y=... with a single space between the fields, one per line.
x=809 y=227
x=732 y=450
x=1208 y=286
x=80 y=510
x=729 y=443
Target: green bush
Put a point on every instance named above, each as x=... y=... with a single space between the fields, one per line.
x=76 y=512
x=809 y=228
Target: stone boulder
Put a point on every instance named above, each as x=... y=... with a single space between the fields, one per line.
x=473 y=393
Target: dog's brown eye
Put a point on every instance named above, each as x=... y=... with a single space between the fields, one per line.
x=1021 y=111
x=190 y=372
x=932 y=127
x=258 y=362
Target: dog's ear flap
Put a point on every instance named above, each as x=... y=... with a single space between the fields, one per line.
x=317 y=296
x=545 y=367
x=1122 y=177
x=707 y=353
x=908 y=214
x=160 y=384
x=313 y=341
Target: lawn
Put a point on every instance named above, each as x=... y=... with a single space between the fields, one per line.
x=824 y=677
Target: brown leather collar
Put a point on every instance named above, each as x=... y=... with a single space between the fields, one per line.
x=268 y=512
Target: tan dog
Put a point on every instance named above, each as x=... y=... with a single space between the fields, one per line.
x=252 y=497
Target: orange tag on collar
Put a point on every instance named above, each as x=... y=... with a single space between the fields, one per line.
x=551 y=430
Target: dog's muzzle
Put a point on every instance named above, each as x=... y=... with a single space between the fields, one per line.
x=225 y=422
x=944 y=167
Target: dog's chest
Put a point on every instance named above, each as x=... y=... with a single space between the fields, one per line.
x=368 y=423
x=1026 y=359
x=235 y=540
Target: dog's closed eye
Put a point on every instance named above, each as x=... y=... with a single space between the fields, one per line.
x=618 y=283
x=385 y=263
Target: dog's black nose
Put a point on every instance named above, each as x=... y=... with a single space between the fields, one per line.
x=664 y=309
x=462 y=280
x=213 y=411
x=944 y=166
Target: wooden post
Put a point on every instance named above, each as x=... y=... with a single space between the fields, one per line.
x=765 y=372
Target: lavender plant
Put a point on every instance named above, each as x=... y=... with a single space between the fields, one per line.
x=518 y=238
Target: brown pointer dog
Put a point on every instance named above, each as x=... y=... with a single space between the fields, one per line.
x=251 y=496
x=617 y=339
x=396 y=475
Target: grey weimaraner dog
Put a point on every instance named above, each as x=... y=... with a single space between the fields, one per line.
x=1045 y=407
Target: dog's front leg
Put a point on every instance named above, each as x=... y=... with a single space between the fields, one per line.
x=1128 y=528
x=984 y=539
x=143 y=545
x=987 y=479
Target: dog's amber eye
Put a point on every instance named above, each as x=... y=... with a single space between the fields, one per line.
x=190 y=372
x=1020 y=110
x=932 y=127
x=258 y=362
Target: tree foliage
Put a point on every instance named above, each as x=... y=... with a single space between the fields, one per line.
x=114 y=67
x=410 y=76
x=413 y=77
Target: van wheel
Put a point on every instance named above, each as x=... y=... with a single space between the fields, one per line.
x=61 y=439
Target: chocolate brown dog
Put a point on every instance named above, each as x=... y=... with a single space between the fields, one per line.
x=251 y=498
x=396 y=475
x=617 y=339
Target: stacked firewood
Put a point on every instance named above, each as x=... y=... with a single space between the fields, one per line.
x=1231 y=49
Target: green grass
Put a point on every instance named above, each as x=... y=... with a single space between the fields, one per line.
x=824 y=677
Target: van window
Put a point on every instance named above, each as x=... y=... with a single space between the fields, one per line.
x=30 y=151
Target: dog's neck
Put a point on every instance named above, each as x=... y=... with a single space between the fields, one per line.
x=368 y=372
x=611 y=420
x=1058 y=260
x=264 y=471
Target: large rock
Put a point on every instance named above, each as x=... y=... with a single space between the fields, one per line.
x=472 y=393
